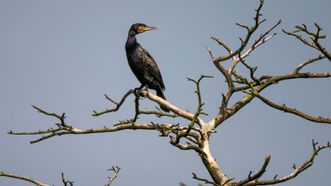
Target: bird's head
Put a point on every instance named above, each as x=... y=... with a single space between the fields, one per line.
x=138 y=28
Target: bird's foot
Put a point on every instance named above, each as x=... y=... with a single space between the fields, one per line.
x=137 y=91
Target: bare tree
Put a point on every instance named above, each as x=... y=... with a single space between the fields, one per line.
x=195 y=136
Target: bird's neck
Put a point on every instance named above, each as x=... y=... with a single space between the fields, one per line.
x=131 y=42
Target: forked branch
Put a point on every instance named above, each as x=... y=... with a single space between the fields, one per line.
x=250 y=31
x=200 y=103
x=256 y=176
x=137 y=109
x=115 y=170
x=118 y=104
x=66 y=182
x=239 y=55
x=315 y=38
x=297 y=170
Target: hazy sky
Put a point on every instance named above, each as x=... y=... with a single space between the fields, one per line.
x=65 y=55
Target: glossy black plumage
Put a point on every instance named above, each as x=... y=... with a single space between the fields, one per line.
x=142 y=63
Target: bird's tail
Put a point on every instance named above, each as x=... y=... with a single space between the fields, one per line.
x=159 y=93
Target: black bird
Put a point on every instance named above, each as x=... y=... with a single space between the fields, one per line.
x=142 y=63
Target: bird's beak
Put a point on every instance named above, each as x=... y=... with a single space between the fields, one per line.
x=150 y=28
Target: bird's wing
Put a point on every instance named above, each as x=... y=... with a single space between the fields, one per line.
x=151 y=66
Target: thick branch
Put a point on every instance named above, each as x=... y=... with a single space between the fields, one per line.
x=218 y=176
x=173 y=108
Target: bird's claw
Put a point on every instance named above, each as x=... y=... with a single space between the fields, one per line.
x=139 y=92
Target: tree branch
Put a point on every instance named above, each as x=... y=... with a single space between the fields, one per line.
x=117 y=127
x=137 y=110
x=258 y=174
x=173 y=108
x=66 y=182
x=227 y=73
x=218 y=119
x=294 y=111
x=200 y=103
x=250 y=31
x=118 y=104
x=65 y=129
x=24 y=178
x=309 y=61
x=315 y=37
x=297 y=170
x=262 y=39
x=116 y=171
x=177 y=111
x=220 y=42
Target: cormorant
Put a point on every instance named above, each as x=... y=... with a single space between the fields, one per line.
x=142 y=63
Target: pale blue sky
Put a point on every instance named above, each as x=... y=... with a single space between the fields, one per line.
x=65 y=55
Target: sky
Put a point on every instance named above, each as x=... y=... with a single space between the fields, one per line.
x=63 y=56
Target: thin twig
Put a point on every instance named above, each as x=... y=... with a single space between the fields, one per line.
x=118 y=104
x=116 y=171
x=200 y=103
x=220 y=42
x=204 y=180
x=66 y=182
